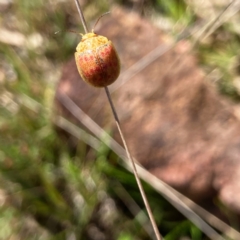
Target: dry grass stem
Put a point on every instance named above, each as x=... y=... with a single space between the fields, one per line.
x=178 y=200
x=152 y=180
x=144 y=197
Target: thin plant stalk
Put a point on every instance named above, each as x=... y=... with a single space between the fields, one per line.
x=82 y=16
x=143 y=194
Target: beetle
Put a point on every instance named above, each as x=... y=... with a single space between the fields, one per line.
x=97 y=60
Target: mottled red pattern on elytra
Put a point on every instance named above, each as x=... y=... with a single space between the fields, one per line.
x=100 y=67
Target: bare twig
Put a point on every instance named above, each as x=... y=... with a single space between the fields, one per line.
x=81 y=16
x=144 y=197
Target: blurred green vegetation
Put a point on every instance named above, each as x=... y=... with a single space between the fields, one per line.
x=47 y=191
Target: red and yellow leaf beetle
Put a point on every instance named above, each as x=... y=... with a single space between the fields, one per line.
x=97 y=60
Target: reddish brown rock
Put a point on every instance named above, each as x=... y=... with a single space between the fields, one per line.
x=176 y=124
